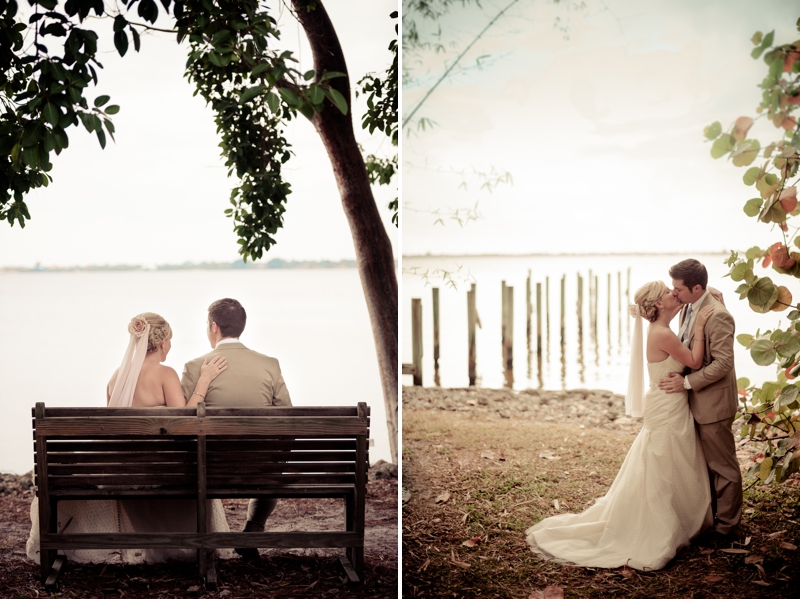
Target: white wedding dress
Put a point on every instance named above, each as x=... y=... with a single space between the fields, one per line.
x=151 y=515
x=658 y=502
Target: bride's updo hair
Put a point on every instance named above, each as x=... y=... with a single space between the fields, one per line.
x=160 y=330
x=646 y=297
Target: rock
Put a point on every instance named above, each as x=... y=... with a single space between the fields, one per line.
x=383 y=470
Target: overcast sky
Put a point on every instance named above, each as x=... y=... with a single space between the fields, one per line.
x=158 y=195
x=602 y=133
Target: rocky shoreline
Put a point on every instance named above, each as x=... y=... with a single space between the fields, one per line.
x=583 y=407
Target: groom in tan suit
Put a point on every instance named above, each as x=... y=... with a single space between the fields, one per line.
x=712 y=393
x=252 y=380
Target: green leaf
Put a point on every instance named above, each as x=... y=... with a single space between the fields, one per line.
x=722 y=146
x=787 y=344
x=744 y=339
x=261 y=68
x=746 y=152
x=763 y=352
x=316 y=94
x=751 y=175
x=308 y=75
x=713 y=130
x=51 y=113
x=742 y=383
x=274 y=102
x=113 y=109
x=761 y=292
x=332 y=75
x=101 y=100
x=101 y=137
x=753 y=207
x=337 y=99
x=737 y=272
x=765 y=468
x=288 y=96
x=220 y=37
x=121 y=42
x=768 y=39
x=757 y=37
x=251 y=92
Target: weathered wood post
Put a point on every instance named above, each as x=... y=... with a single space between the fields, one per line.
x=436 y=380
x=508 y=334
x=471 y=319
x=563 y=309
x=547 y=313
x=628 y=301
x=539 y=332
x=619 y=307
x=528 y=322
x=416 y=339
x=579 y=305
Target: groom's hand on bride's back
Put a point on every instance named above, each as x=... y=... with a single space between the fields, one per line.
x=673 y=383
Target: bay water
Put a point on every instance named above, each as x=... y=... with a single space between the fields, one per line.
x=64 y=333
x=586 y=360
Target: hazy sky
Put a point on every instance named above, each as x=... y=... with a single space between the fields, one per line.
x=602 y=133
x=158 y=194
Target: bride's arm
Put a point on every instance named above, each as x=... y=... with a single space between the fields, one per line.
x=672 y=345
x=173 y=394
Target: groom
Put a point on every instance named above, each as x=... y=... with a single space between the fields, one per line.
x=712 y=393
x=252 y=380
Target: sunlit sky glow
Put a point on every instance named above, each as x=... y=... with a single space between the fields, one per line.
x=602 y=133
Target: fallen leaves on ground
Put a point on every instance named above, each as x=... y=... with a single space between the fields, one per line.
x=444 y=497
x=471 y=542
x=551 y=592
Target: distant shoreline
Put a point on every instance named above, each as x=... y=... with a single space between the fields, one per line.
x=276 y=263
x=568 y=255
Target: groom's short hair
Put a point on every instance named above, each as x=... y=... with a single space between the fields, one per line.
x=691 y=272
x=229 y=316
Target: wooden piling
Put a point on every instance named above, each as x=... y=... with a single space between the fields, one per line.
x=471 y=320
x=436 y=380
x=563 y=304
x=528 y=323
x=539 y=332
x=508 y=335
x=619 y=308
x=416 y=339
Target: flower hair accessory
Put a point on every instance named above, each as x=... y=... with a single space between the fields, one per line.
x=633 y=310
x=138 y=326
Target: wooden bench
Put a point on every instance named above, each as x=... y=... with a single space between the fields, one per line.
x=200 y=454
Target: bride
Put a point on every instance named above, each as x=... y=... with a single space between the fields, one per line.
x=141 y=381
x=660 y=498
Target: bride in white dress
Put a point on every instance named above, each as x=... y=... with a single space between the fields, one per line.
x=660 y=498
x=142 y=381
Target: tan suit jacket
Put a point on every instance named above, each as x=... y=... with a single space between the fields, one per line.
x=252 y=380
x=714 y=394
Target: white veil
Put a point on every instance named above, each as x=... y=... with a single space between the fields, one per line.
x=128 y=373
x=634 y=398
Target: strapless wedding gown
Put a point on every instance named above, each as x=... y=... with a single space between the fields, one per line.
x=157 y=515
x=658 y=502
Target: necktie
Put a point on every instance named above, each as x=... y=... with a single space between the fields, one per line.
x=685 y=327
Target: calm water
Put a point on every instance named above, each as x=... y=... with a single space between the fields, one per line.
x=63 y=334
x=599 y=362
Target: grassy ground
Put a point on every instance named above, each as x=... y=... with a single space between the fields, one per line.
x=474 y=483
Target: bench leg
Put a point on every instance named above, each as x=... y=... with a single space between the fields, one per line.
x=49 y=557
x=353 y=560
x=211 y=572
x=52 y=575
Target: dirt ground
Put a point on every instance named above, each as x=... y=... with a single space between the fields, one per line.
x=480 y=466
x=278 y=573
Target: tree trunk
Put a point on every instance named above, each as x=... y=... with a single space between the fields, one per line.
x=373 y=249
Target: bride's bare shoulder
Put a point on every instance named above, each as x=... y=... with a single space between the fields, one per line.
x=166 y=372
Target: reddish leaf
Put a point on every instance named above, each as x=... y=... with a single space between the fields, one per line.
x=551 y=592
x=754 y=559
x=732 y=550
x=789 y=123
x=471 y=542
x=780 y=254
x=791 y=57
x=788 y=198
x=788 y=546
x=712 y=578
x=741 y=127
